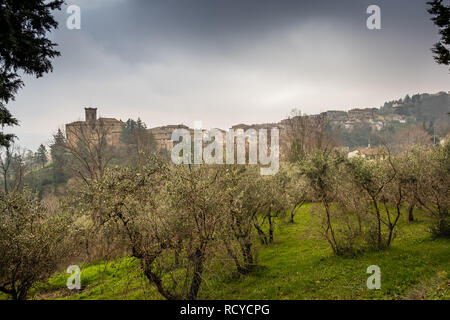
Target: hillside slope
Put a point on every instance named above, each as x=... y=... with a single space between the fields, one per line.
x=298 y=266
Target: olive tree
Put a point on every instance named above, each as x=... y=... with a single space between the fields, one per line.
x=32 y=242
x=320 y=171
x=243 y=200
x=172 y=217
x=383 y=182
x=296 y=191
x=432 y=185
x=272 y=204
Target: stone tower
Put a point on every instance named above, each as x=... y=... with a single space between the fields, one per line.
x=91 y=115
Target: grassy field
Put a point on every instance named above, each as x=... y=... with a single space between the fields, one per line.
x=299 y=265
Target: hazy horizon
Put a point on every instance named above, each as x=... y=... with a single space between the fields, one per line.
x=225 y=63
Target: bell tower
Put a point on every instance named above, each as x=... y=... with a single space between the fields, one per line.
x=91 y=115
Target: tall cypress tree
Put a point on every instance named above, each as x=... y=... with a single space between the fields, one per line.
x=59 y=156
x=41 y=155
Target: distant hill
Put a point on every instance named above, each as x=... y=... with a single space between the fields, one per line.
x=420 y=108
x=359 y=127
x=353 y=128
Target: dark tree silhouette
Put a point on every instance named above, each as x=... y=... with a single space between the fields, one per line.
x=59 y=156
x=23 y=48
x=41 y=155
x=441 y=18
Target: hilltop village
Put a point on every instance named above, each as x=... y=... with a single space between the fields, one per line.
x=407 y=110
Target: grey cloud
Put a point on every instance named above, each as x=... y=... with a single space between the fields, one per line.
x=227 y=62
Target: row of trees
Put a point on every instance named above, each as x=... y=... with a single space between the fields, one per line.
x=362 y=201
x=179 y=221
x=182 y=222
x=15 y=163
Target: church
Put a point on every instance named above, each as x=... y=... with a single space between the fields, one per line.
x=112 y=127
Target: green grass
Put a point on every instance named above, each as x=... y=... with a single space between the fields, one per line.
x=299 y=265
x=106 y=280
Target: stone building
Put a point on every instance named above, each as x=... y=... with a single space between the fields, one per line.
x=163 y=135
x=91 y=126
x=361 y=114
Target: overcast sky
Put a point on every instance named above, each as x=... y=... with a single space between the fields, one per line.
x=225 y=62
